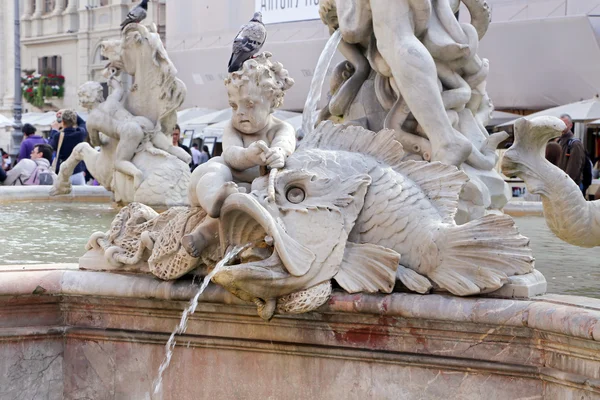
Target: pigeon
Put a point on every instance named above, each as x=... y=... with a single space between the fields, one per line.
x=248 y=42
x=137 y=14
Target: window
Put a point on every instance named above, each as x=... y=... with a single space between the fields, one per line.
x=104 y=3
x=48 y=6
x=50 y=65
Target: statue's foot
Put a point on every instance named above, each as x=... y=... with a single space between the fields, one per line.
x=58 y=189
x=219 y=197
x=453 y=153
x=194 y=244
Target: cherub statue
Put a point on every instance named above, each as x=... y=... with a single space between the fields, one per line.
x=253 y=139
x=112 y=119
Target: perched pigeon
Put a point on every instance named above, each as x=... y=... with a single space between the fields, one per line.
x=248 y=42
x=137 y=14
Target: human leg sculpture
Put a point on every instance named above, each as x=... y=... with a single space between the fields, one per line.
x=162 y=142
x=131 y=135
x=210 y=184
x=81 y=152
x=415 y=74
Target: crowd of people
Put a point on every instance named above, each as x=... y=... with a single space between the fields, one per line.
x=39 y=159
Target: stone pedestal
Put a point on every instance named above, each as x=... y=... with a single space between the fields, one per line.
x=72 y=334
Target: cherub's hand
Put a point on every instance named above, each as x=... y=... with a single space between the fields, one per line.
x=275 y=157
x=255 y=153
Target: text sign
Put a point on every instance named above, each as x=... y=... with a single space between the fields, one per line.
x=276 y=11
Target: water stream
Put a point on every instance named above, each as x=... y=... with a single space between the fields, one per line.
x=191 y=308
x=310 y=112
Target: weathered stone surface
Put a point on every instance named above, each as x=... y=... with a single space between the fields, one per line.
x=108 y=333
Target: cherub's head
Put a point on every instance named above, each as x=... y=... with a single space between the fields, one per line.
x=256 y=91
x=90 y=94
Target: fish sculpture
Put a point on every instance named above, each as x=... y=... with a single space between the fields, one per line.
x=347 y=207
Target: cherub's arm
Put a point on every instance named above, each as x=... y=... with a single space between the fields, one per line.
x=282 y=145
x=285 y=139
x=118 y=92
x=234 y=153
x=94 y=136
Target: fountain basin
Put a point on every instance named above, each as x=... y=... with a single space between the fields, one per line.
x=73 y=334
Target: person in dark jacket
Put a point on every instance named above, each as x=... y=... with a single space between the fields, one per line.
x=573 y=153
x=2 y=174
x=75 y=132
x=30 y=141
x=177 y=142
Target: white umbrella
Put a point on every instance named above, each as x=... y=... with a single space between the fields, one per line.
x=5 y=121
x=213 y=124
x=580 y=111
x=500 y=117
x=191 y=113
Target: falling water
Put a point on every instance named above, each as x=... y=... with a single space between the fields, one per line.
x=231 y=254
x=310 y=114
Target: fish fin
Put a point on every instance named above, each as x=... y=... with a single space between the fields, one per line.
x=480 y=255
x=441 y=183
x=413 y=280
x=368 y=268
x=382 y=145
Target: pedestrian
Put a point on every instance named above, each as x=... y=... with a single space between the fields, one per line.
x=177 y=142
x=196 y=154
x=39 y=159
x=205 y=155
x=30 y=140
x=553 y=151
x=74 y=132
x=572 y=156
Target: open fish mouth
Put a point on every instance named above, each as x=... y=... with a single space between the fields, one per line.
x=273 y=254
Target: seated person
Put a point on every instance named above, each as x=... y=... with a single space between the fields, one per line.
x=254 y=138
x=41 y=155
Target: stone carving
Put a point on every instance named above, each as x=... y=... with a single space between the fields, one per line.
x=253 y=139
x=345 y=207
x=568 y=215
x=412 y=67
x=136 y=159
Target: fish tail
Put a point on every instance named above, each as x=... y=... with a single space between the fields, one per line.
x=479 y=256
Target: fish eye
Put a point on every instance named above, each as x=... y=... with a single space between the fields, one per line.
x=295 y=195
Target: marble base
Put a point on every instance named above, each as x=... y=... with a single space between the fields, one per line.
x=522 y=286
x=83 y=194
x=72 y=334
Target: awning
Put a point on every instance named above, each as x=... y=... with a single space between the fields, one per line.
x=541 y=63
x=500 y=117
x=5 y=121
x=581 y=111
x=191 y=113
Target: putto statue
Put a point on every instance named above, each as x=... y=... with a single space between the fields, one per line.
x=428 y=85
x=254 y=138
x=136 y=159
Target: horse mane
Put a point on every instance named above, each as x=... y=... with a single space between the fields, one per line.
x=382 y=145
x=172 y=89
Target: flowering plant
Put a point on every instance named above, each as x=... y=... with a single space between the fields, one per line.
x=37 y=87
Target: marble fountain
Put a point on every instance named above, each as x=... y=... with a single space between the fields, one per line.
x=369 y=261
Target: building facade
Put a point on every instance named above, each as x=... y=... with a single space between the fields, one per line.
x=63 y=37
